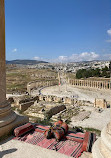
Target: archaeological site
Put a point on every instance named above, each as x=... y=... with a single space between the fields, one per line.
x=46 y=111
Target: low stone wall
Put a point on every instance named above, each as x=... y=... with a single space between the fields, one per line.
x=22 y=100
x=25 y=106
x=38 y=84
x=56 y=99
x=55 y=110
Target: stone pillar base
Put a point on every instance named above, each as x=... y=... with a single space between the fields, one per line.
x=20 y=120
x=9 y=119
x=102 y=147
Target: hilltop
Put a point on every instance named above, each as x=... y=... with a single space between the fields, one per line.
x=25 y=62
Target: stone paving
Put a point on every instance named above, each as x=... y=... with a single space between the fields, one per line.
x=16 y=149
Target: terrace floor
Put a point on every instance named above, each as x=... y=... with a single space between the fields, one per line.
x=15 y=149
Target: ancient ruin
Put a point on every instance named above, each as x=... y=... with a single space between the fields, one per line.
x=90 y=84
x=101 y=103
x=39 y=84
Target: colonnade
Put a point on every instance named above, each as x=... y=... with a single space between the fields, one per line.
x=44 y=76
x=90 y=83
x=38 y=84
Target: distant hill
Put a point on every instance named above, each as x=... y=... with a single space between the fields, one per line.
x=25 y=62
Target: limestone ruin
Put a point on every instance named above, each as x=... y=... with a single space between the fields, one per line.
x=90 y=84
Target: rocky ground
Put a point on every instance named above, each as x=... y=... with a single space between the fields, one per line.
x=97 y=120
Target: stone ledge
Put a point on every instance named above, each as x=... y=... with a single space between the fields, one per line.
x=106 y=138
x=96 y=149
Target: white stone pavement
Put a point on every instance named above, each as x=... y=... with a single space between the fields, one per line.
x=16 y=149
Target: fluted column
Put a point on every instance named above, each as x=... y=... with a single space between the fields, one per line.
x=109 y=125
x=2 y=54
x=8 y=119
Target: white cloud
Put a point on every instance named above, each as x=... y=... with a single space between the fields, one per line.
x=36 y=58
x=14 y=50
x=109 y=32
x=84 y=56
x=62 y=58
x=88 y=56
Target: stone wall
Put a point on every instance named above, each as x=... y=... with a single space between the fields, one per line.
x=101 y=103
x=55 y=110
x=49 y=98
x=90 y=83
x=25 y=106
x=39 y=84
x=43 y=76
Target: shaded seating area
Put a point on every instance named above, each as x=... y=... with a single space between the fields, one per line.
x=71 y=144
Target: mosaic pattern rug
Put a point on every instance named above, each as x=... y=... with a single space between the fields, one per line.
x=67 y=147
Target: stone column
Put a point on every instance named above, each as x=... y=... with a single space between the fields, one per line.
x=73 y=82
x=102 y=147
x=91 y=83
x=2 y=54
x=8 y=119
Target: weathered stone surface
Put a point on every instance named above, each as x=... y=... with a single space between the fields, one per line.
x=55 y=110
x=101 y=103
x=20 y=120
x=25 y=106
x=90 y=83
x=102 y=147
x=2 y=53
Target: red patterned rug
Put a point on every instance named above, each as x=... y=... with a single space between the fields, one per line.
x=73 y=144
x=67 y=147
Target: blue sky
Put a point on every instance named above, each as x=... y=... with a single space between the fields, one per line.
x=54 y=30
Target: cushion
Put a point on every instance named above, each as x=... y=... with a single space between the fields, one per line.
x=58 y=133
x=88 y=141
x=41 y=128
x=78 y=137
x=19 y=131
x=58 y=123
x=64 y=126
x=48 y=133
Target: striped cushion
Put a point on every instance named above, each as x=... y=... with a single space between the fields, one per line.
x=58 y=123
x=88 y=141
x=41 y=128
x=78 y=137
x=19 y=131
x=64 y=126
x=58 y=133
x=48 y=133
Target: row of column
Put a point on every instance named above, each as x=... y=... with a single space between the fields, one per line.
x=33 y=85
x=91 y=83
x=41 y=76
